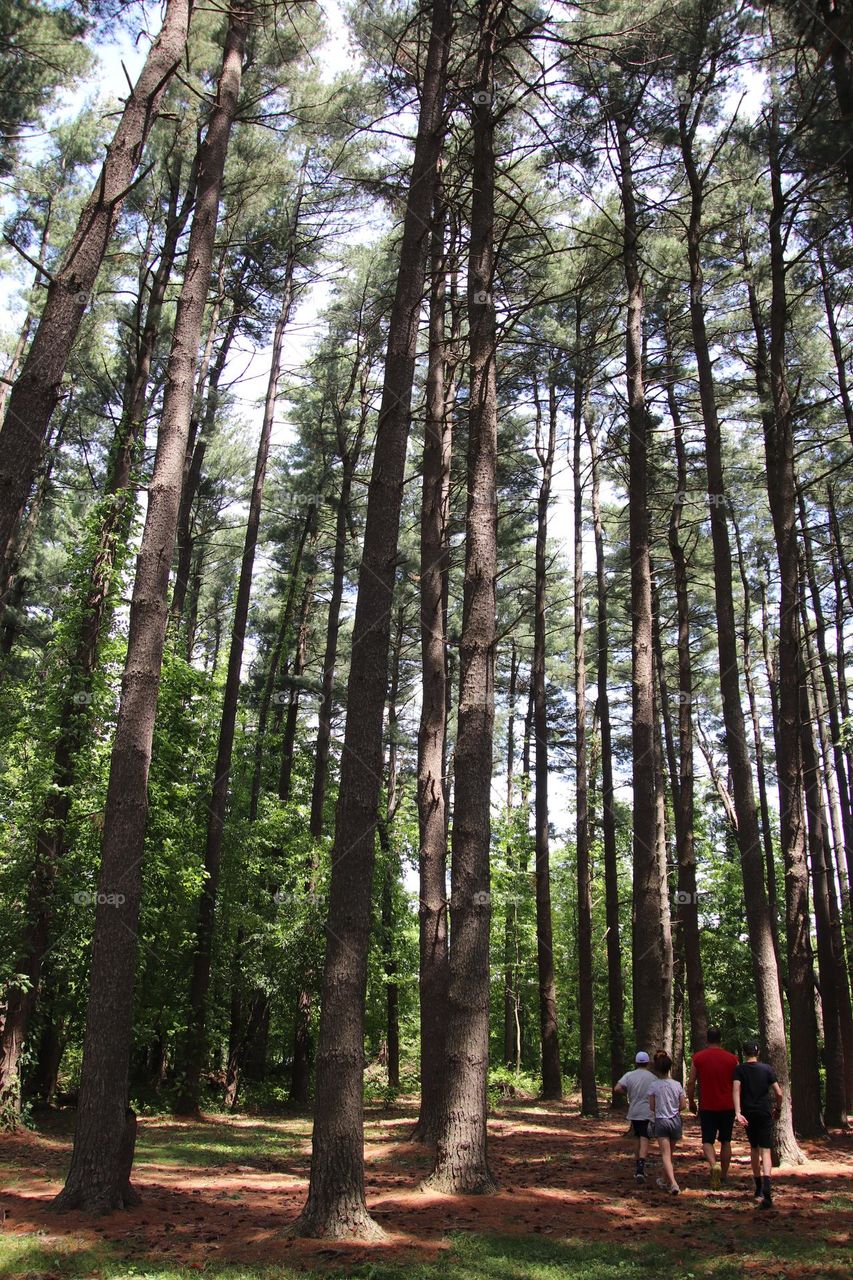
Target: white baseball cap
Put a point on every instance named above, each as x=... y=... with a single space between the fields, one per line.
x=642 y=1056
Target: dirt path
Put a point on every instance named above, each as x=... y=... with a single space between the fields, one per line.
x=560 y=1175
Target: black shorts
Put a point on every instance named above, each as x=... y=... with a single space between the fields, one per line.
x=759 y=1128
x=717 y=1122
x=641 y=1128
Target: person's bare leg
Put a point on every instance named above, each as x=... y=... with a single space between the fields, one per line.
x=710 y=1154
x=766 y=1169
x=725 y=1158
x=666 y=1160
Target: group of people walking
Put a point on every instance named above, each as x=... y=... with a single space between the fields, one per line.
x=730 y=1092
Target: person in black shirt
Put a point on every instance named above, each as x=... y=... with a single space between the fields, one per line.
x=754 y=1083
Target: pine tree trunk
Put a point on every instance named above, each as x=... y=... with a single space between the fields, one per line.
x=36 y=392
x=196 y=1037
x=114 y=514
x=391 y=871
x=586 y=995
x=336 y=1205
x=830 y=993
x=615 y=984
x=782 y=493
x=97 y=1178
x=512 y=993
x=461 y=1164
x=687 y=898
x=771 y=1017
x=648 y=965
x=199 y=437
x=288 y=744
x=333 y=623
x=832 y=950
x=269 y=691
x=432 y=732
x=552 y=1084
x=834 y=762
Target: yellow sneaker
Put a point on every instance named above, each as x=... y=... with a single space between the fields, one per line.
x=716 y=1178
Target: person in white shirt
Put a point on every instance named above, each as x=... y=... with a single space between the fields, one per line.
x=667 y=1100
x=637 y=1084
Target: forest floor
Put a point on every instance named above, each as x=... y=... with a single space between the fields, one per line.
x=218 y=1197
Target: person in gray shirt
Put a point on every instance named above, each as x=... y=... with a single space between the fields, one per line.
x=666 y=1100
x=636 y=1085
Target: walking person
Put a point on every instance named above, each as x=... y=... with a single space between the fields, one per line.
x=713 y=1068
x=752 y=1088
x=636 y=1085
x=666 y=1101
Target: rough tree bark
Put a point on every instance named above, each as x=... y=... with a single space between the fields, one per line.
x=687 y=915
x=461 y=1163
x=95 y=1181
x=552 y=1082
x=37 y=390
x=114 y=512
x=586 y=995
x=771 y=1017
x=336 y=1205
x=782 y=493
x=432 y=732
x=649 y=967
x=615 y=983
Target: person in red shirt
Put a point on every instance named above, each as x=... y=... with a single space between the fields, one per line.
x=714 y=1068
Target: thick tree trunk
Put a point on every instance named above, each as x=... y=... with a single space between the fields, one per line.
x=586 y=995
x=37 y=390
x=97 y=1179
x=782 y=494
x=835 y=764
x=196 y=1035
x=648 y=943
x=461 y=1164
x=771 y=1017
x=552 y=1084
x=615 y=983
x=113 y=515
x=832 y=944
x=432 y=732
x=829 y=971
x=687 y=898
x=336 y=1205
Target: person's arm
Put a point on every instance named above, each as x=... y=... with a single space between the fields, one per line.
x=682 y=1101
x=652 y=1104
x=619 y=1087
x=777 y=1095
x=739 y=1116
x=691 y=1088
